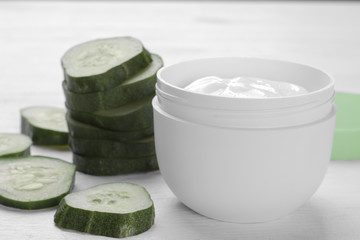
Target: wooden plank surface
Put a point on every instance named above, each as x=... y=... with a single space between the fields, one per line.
x=34 y=35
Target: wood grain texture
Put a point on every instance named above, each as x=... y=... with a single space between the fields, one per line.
x=34 y=35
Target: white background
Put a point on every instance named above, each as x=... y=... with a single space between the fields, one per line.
x=34 y=35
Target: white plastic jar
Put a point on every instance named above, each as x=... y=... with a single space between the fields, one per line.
x=243 y=159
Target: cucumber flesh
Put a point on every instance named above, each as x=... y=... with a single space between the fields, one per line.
x=104 y=166
x=81 y=130
x=107 y=148
x=99 y=56
x=34 y=182
x=132 y=116
x=45 y=125
x=115 y=198
x=104 y=63
x=135 y=88
x=14 y=145
x=113 y=210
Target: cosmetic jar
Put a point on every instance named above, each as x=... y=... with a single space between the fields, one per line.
x=243 y=160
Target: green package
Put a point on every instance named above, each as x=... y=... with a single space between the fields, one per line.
x=347 y=129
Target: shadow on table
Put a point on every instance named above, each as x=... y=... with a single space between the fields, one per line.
x=305 y=223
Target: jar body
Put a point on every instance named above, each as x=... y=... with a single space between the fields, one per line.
x=242 y=175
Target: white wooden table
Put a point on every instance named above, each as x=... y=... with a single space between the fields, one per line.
x=34 y=35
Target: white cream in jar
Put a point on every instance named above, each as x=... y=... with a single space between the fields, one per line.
x=244 y=87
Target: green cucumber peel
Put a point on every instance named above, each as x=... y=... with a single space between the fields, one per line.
x=133 y=116
x=104 y=166
x=112 y=149
x=82 y=130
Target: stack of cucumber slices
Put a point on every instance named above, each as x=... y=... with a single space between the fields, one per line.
x=109 y=85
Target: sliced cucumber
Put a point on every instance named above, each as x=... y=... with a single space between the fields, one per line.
x=112 y=149
x=81 y=130
x=104 y=63
x=45 y=125
x=113 y=210
x=103 y=166
x=135 y=88
x=14 y=145
x=133 y=116
x=34 y=182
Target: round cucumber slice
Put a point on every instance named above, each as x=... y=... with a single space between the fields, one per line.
x=103 y=166
x=81 y=130
x=135 y=88
x=112 y=149
x=14 y=145
x=112 y=210
x=34 y=182
x=45 y=125
x=133 y=116
x=103 y=63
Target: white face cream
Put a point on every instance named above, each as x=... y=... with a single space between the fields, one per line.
x=244 y=87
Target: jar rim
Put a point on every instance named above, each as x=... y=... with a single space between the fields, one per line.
x=172 y=79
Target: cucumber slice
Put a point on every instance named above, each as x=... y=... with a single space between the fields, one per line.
x=112 y=149
x=133 y=89
x=112 y=210
x=45 y=125
x=133 y=116
x=103 y=166
x=104 y=63
x=34 y=182
x=14 y=145
x=81 y=130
